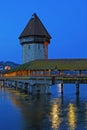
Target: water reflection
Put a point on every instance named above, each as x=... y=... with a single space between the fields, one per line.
x=71 y=116
x=86 y=116
x=59 y=88
x=35 y=112
x=55 y=115
x=34 y=109
x=77 y=100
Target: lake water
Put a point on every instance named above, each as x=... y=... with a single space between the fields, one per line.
x=19 y=111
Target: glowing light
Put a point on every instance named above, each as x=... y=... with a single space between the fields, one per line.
x=55 y=118
x=72 y=117
x=7 y=67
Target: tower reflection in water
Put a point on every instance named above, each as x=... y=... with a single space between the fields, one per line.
x=34 y=109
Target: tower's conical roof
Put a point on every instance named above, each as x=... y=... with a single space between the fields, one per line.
x=35 y=28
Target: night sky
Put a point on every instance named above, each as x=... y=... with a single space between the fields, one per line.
x=65 y=20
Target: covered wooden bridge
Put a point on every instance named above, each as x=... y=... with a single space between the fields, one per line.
x=51 y=67
x=37 y=76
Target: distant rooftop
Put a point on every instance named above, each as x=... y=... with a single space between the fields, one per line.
x=35 y=28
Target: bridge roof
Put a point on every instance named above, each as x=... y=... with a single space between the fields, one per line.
x=59 y=64
x=35 y=28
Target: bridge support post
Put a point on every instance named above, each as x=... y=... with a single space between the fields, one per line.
x=62 y=88
x=16 y=84
x=13 y=84
x=7 y=83
x=48 y=89
x=2 y=83
x=53 y=80
x=22 y=86
x=10 y=83
x=77 y=99
x=29 y=89
x=77 y=88
x=40 y=89
x=26 y=87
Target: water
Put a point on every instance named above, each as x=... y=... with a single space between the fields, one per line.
x=19 y=111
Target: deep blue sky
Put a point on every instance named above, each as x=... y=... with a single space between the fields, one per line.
x=65 y=20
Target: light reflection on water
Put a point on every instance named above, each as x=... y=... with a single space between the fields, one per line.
x=71 y=116
x=55 y=115
x=19 y=111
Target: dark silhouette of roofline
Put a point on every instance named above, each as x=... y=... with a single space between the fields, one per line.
x=35 y=28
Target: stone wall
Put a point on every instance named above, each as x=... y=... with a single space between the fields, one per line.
x=32 y=52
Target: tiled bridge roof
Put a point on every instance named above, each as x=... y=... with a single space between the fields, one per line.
x=58 y=64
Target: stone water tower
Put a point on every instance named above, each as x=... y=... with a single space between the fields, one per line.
x=34 y=40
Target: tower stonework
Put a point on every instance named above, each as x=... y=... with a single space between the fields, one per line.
x=34 y=40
